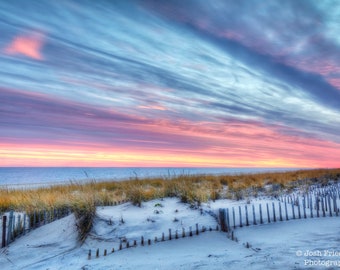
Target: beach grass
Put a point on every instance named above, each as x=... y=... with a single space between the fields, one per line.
x=82 y=198
x=189 y=188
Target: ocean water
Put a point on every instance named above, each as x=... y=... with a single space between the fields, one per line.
x=22 y=176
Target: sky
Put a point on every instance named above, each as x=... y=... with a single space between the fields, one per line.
x=195 y=83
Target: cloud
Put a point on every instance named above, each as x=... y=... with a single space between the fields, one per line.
x=273 y=36
x=29 y=45
x=62 y=131
x=221 y=82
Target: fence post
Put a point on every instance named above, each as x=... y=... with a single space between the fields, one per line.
x=307 y=200
x=4 y=221
x=19 y=225
x=24 y=229
x=234 y=217
x=299 y=209
x=222 y=219
x=280 y=210
x=228 y=221
x=261 y=219
x=268 y=215
x=240 y=213
x=311 y=206
x=9 y=227
x=13 y=229
x=247 y=220
x=286 y=211
x=335 y=205
x=29 y=222
x=304 y=207
x=323 y=207
x=317 y=206
x=330 y=207
x=274 y=215
x=293 y=211
x=254 y=217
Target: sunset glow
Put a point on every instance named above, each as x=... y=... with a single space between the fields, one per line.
x=143 y=83
x=29 y=46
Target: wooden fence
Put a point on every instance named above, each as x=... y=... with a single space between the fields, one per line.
x=171 y=235
x=15 y=225
x=318 y=202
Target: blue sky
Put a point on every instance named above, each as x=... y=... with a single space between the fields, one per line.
x=170 y=83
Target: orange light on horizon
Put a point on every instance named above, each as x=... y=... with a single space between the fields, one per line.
x=48 y=156
x=176 y=144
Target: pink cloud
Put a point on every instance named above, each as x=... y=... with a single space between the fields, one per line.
x=27 y=45
x=335 y=82
x=102 y=137
x=153 y=107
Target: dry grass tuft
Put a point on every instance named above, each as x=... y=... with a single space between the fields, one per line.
x=189 y=188
x=84 y=210
x=82 y=198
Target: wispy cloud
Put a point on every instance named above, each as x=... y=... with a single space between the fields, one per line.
x=220 y=83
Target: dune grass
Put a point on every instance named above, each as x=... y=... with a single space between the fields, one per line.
x=82 y=198
x=189 y=188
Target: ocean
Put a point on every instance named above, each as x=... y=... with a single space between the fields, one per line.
x=24 y=176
